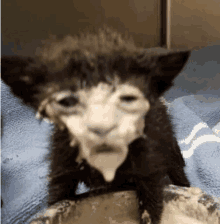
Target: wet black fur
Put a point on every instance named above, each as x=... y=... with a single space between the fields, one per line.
x=149 y=160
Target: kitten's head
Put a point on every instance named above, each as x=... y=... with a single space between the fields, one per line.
x=99 y=86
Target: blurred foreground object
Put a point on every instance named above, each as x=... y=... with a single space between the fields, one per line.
x=182 y=205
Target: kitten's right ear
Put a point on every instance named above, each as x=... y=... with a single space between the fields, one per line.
x=20 y=74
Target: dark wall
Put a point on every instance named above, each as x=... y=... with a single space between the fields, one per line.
x=195 y=24
x=25 y=21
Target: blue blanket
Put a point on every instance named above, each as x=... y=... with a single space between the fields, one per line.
x=197 y=127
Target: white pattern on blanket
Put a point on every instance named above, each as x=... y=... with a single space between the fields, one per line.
x=199 y=141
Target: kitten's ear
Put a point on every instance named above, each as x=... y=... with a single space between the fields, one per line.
x=166 y=70
x=23 y=78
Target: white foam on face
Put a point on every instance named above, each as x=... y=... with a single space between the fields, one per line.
x=108 y=163
x=109 y=174
x=120 y=122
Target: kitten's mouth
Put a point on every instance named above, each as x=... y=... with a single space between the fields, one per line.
x=104 y=148
x=107 y=159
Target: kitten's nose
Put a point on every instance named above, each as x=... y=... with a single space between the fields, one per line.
x=101 y=131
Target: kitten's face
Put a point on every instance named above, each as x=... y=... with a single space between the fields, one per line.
x=102 y=120
x=68 y=84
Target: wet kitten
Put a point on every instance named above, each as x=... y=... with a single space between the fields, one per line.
x=111 y=130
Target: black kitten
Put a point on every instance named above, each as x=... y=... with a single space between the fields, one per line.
x=111 y=130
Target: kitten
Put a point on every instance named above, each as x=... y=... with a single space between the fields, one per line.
x=111 y=130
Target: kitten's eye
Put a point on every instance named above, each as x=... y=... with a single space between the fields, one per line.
x=128 y=98
x=68 y=101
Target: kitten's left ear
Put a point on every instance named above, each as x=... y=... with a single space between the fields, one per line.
x=166 y=70
x=22 y=76
x=13 y=68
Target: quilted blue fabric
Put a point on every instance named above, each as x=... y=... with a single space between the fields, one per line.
x=197 y=128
